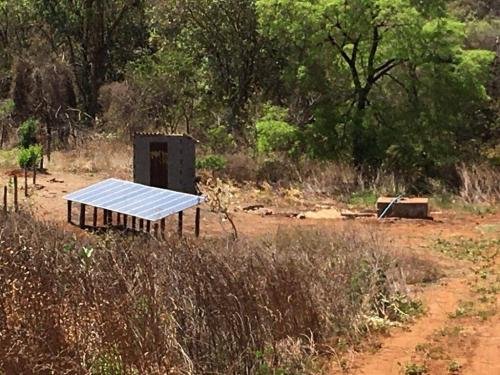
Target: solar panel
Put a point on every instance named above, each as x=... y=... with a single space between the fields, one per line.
x=129 y=198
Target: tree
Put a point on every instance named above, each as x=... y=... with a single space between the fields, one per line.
x=98 y=38
x=223 y=38
x=372 y=42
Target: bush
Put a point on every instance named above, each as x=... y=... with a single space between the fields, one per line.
x=134 y=305
x=31 y=156
x=212 y=163
x=220 y=140
x=274 y=134
x=27 y=133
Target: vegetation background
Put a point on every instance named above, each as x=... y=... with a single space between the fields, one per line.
x=406 y=86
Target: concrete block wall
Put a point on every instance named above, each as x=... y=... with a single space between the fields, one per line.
x=181 y=160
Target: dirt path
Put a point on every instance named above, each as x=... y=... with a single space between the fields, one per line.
x=397 y=350
x=460 y=332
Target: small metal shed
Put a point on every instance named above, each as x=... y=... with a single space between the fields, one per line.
x=165 y=161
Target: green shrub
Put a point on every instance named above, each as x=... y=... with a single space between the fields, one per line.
x=213 y=163
x=220 y=140
x=28 y=157
x=274 y=134
x=27 y=133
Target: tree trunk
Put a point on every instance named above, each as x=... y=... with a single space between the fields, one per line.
x=359 y=143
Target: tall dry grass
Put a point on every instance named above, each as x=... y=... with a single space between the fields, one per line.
x=95 y=154
x=479 y=183
x=115 y=305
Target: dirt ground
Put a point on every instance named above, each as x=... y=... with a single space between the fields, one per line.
x=442 y=340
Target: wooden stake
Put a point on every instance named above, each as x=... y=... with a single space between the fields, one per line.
x=5 y=208
x=197 y=222
x=94 y=218
x=16 y=200
x=82 y=215
x=180 y=223
x=34 y=174
x=25 y=181
x=69 y=212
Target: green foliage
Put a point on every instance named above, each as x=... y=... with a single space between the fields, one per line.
x=213 y=163
x=468 y=249
x=274 y=134
x=27 y=133
x=415 y=369
x=364 y=198
x=454 y=367
x=400 y=84
x=108 y=363
x=220 y=140
x=31 y=156
x=6 y=108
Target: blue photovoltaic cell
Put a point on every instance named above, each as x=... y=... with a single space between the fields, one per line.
x=128 y=198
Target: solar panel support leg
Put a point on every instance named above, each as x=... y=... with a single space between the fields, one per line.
x=148 y=226
x=180 y=224
x=82 y=216
x=118 y=219
x=162 y=228
x=69 y=211
x=125 y=221
x=197 y=222
x=105 y=218
x=141 y=225
x=156 y=230
x=134 y=225
x=94 y=218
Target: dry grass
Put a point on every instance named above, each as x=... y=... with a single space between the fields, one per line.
x=96 y=154
x=480 y=183
x=115 y=305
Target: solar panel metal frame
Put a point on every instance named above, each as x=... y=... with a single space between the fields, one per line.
x=136 y=200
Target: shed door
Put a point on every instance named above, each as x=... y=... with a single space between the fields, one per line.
x=158 y=155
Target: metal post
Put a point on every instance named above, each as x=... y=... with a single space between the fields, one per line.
x=125 y=221
x=69 y=212
x=156 y=229
x=118 y=219
x=180 y=223
x=82 y=215
x=148 y=226
x=141 y=224
x=94 y=218
x=134 y=220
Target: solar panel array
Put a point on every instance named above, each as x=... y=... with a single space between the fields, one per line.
x=129 y=198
